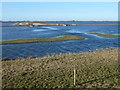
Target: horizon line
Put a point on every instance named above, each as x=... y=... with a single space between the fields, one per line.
x=55 y=20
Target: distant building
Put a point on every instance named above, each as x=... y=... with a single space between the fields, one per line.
x=20 y=24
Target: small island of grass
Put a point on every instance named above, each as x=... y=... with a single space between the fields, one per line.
x=58 y=39
x=105 y=35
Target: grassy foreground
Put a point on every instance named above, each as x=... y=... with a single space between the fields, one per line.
x=93 y=70
x=105 y=35
x=23 y=41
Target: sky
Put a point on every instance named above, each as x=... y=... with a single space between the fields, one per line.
x=63 y=11
x=60 y=0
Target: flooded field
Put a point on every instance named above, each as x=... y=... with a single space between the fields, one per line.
x=91 y=43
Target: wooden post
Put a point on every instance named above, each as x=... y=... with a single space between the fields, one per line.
x=74 y=76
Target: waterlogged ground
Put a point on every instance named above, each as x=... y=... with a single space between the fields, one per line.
x=92 y=42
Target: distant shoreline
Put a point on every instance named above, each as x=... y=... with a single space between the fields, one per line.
x=55 y=25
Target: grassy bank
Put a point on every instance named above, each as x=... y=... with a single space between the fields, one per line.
x=93 y=70
x=23 y=41
x=105 y=35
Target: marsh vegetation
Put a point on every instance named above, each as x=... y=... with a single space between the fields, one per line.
x=93 y=70
x=58 y=39
x=105 y=35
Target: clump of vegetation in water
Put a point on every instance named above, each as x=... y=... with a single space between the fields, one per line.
x=23 y=41
x=105 y=35
x=93 y=70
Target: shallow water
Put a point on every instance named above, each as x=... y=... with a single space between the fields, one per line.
x=92 y=42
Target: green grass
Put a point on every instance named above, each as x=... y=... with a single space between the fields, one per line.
x=105 y=35
x=23 y=41
x=93 y=70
